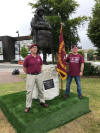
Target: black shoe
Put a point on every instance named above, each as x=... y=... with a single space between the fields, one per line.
x=27 y=110
x=66 y=96
x=44 y=105
x=80 y=97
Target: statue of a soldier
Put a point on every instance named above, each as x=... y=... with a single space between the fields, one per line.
x=41 y=31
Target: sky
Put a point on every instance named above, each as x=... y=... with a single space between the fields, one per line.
x=17 y=14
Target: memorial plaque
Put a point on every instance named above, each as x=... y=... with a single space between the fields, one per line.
x=48 y=84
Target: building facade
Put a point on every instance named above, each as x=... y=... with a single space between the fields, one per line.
x=10 y=46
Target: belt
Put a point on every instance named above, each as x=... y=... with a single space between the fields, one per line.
x=34 y=73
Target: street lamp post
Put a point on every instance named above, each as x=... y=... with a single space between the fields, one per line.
x=19 y=43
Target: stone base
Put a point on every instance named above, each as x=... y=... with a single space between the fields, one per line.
x=49 y=72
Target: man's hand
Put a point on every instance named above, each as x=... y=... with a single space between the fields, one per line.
x=81 y=73
x=82 y=68
x=25 y=69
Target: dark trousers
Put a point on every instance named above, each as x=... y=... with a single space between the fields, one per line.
x=77 y=80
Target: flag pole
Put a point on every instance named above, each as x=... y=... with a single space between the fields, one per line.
x=61 y=79
x=61 y=88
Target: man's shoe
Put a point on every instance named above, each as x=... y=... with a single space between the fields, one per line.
x=80 y=97
x=27 y=110
x=66 y=96
x=44 y=105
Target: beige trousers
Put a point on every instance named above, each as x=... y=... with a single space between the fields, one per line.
x=31 y=80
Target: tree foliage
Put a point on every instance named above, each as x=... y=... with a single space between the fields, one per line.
x=81 y=52
x=94 y=25
x=90 y=54
x=57 y=11
x=24 y=51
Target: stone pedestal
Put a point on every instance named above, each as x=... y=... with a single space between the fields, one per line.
x=49 y=72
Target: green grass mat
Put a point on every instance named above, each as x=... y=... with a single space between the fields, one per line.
x=39 y=119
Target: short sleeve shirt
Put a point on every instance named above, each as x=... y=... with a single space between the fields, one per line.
x=33 y=64
x=74 y=64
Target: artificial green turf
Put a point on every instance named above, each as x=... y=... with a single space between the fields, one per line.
x=39 y=119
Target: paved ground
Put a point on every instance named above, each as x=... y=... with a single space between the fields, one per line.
x=7 y=77
x=7 y=67
x=6 y=70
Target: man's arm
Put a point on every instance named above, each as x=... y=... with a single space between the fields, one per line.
x=82 y=68
x=25 y=69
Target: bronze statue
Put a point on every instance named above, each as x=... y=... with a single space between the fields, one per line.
x=41 y=30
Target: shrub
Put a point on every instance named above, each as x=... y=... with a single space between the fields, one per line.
x=90 y=70
x=81 y=52
x=24 y=51
x=90 y=54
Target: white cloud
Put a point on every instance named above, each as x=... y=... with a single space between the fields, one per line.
x=85 y=9
x=13 y=15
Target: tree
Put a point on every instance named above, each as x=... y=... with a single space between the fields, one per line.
x=24 y=51
x=94 y=26
x=81 y=52
x=58 y=11
x=90 y=54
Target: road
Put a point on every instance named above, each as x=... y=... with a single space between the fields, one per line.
x=7 y=67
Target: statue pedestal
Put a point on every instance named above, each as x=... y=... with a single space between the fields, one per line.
x=49 y=72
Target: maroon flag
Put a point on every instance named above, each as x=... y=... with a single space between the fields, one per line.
x=61 y=65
